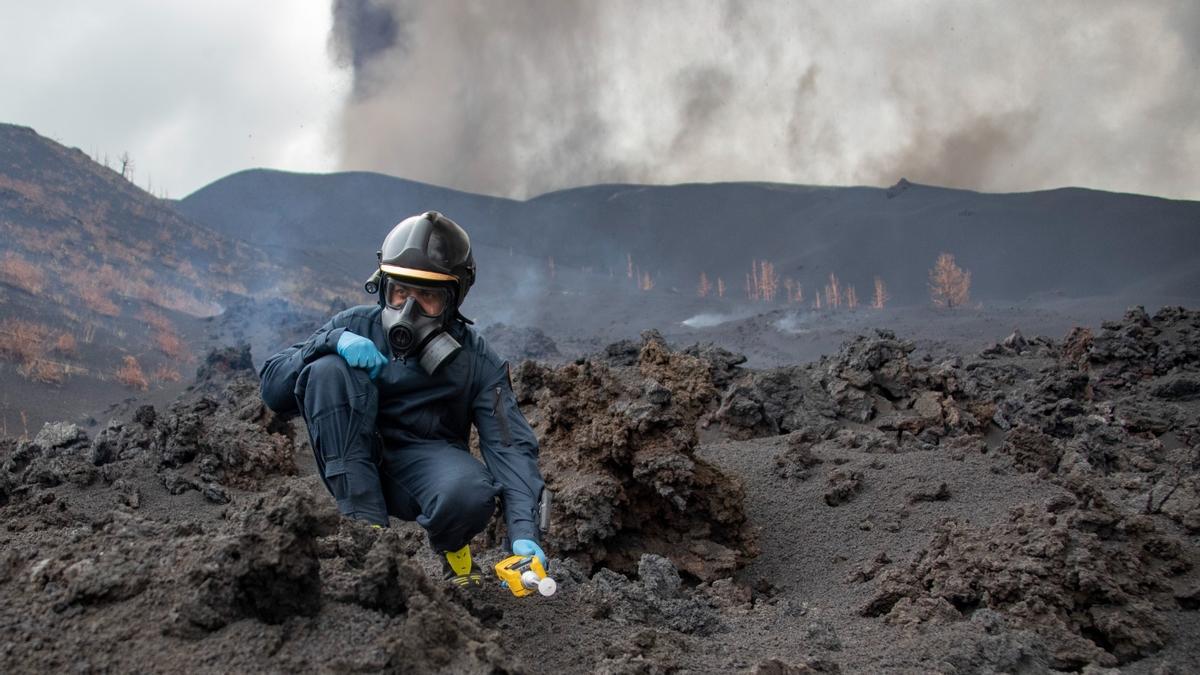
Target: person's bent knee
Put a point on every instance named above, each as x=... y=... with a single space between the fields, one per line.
x=463 y=510
x=328 y=367
x=330 y=378
x=472 y=500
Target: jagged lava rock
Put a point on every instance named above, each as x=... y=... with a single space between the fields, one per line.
x=618 y=449
x=1061 y=567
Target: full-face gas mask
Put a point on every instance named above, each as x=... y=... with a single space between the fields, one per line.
x=425 y=271
x=415 y=320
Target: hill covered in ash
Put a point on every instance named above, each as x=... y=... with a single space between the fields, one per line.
x=1028 y=507
x=1073 y=241
x=104 y=288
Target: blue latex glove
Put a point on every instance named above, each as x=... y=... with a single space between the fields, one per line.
x=360 y=352
x=529 y=547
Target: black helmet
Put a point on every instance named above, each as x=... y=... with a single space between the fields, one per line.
x=430 y=250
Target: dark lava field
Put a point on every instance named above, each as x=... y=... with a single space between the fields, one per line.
x=1029 y=505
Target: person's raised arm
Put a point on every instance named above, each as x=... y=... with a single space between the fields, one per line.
x=279 y=373
x=510 y=449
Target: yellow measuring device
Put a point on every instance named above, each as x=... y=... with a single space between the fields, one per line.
x=524 y=574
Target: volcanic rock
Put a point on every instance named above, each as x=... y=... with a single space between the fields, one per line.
x=797 y=460
x=60 y=436
x=1031 y=450
x=1182 y=502
x=723 y=365
x=222 y=363
x=1068 y=573
x=269 y=570
x=618 y=449
x=57 y=455
x=1076 y=347
x=1138 y=346
x=877 y=364
x=940 y=493
x=655 y=598
x=222 y=433
x=774 y=402
x=842 y=486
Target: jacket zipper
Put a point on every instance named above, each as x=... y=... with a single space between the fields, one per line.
x=502 y=418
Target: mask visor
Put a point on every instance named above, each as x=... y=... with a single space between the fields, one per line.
x=430 y=300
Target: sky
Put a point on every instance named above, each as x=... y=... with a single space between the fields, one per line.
x=193 y=91
x=521 y=97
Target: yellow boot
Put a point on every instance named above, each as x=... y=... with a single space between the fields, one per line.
x=460 y=570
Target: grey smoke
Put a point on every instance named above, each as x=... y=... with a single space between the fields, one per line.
x=710 y=319
x=362 y=30
x=527 y=96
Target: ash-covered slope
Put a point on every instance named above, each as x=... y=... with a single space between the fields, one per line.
x=104 y=287
x=346 y=210
x=1027 y=508
x=1074 y=241
x=80 y=234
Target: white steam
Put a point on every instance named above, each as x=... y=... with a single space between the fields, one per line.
x=708 y=320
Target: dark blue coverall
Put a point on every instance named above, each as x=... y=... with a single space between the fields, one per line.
x=398 y=445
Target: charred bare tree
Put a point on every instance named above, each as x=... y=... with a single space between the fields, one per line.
x=949 y=284
x=834 y=294
x=881 y=295
x=768 y=281
x=762 y=283
x=647 y=282
x=126 y=165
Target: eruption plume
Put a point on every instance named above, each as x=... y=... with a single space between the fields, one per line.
x=527 y=96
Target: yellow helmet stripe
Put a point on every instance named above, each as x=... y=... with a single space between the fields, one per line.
x=417 y=274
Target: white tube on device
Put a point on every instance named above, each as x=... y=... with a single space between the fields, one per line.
x=544 y=585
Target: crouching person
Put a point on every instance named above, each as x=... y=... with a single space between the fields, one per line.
x=390 y=434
